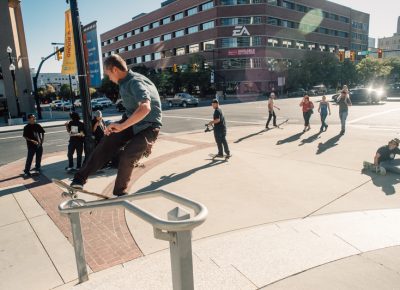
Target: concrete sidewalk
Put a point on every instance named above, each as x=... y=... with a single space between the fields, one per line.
x=287 y=211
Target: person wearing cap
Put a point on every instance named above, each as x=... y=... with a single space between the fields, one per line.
x=385 y=156
x=34 y=136
x=271 y=111
x=219 y=130
x=344 y=102
x=98 y=126
x=75 y=129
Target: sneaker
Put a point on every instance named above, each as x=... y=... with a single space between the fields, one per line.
x=120 y=194
x=27 y=174
x=219 y=155
x=69 y=169
x=76 y=184
x=326 y=127
x=35 y=171
x=267 y=128
x=229 y=155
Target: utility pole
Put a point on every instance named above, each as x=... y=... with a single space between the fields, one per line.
x=82 y=76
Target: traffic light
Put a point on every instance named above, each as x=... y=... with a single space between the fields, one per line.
x=174 y=68
x=341 y=55
x=380 y=52
x=59 y=54
x=352 y=55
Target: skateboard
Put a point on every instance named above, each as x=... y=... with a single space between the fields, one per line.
x=214 y=156
x=73 y=192
x=371 y=167
x=33 y=173
x=278 y=125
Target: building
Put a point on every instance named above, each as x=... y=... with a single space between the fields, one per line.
x=248 y=42
x=13 y=51
x=371 y=43
x=391 y=45
x=56 y=80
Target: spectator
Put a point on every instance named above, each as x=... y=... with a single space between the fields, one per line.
x=76 y=130
x=34 y=136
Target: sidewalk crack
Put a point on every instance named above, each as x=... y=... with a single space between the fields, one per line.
x=247 y=278
x=348 y=243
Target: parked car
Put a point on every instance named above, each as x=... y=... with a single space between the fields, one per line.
x=182 y=99
x=365 y=95
x=96 y=105
x=104 y=101
x=67 y=105
x=120 y=105
x=394 y=90
x=56 y=104
x=296 y=93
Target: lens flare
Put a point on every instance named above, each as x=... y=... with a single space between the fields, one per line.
x=311 y=21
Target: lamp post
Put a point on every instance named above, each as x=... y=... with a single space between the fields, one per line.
x=12 y=70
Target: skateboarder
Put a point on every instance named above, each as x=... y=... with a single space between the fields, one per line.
x=219 y=130
x=384 y=158
x=271 y=111
x=34 y=135
x=136 y=131
x=344 y=102
x=307 y=107
x=323 y=109
x=75 y=129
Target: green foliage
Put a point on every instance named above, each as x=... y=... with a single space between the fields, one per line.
x=65 y=92
x=108 y=88
x=372 y=70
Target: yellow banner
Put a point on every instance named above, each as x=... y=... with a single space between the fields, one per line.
x=69 y=61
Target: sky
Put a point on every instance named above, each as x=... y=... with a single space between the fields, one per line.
x=44 y=20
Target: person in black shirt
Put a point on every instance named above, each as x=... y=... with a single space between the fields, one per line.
x=98 y=126
x=34 y=135
x=385 y=155
x=76 y=130
x=219 y=130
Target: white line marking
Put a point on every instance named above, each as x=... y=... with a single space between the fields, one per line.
x=208 y=119
x=373 y=115
x=16 y=137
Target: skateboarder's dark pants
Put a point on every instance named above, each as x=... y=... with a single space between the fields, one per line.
x=32 y=150
x=307 y=116
x=75 y=145
x=220 y=138
x=270 y=116
x=391 y=165
x=134 y=147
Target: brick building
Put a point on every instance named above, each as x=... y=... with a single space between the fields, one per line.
x=248 y=42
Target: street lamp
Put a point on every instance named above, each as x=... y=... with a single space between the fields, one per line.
x=12 y=70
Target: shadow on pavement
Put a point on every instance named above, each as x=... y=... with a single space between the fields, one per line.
x=173 y=177
x=12 y=190
x=310 y=139
x=290 y=139
x=249 y=136
x=322 y=147
x=386 y=182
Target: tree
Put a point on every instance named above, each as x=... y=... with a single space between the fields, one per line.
x=372 y=70
x=110 y=89
x=65 y=92
x=50 y=92
x=394 y=62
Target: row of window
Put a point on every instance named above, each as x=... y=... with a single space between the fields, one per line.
x=298 y=44
x=295 y=25
x=359 y=47
x=359 y=25
x=189 y=12
x=240 y=21
x=244 y=41
x=293 y=6
x=272 y=64
x=359 y=36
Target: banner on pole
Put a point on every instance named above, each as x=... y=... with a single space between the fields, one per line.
x=69 y=61
x=91 y=51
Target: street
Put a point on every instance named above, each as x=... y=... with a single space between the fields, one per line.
x=384 y=116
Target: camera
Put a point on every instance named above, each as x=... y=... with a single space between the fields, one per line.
x=209 y=128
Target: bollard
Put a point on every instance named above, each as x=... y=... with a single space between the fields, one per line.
x=78 y=244
x=181 y=253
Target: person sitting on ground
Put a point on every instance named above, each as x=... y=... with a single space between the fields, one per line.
x=385 y=156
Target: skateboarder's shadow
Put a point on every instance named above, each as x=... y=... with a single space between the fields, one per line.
x=290 y=139
x=386 y=182
x=174 y=177
x=249 y=136
x=322 y=147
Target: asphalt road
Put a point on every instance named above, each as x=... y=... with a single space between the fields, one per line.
x=385 y=116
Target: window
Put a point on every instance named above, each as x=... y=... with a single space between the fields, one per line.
x=103 y=43
x=208 y=45
x=156 y=39
x=193 y=29
x=147 y=57
x=192 y=11
x=138 y=45
x=240 y=41
x=301 y=8
x=119 y=37
x=138 y=59
x=155 y=24
x=256 y=20
x=178 y=16
x=145 y=28
x=179 y=33
x=129 y=34
x=146 y=42
x=288 y=5
x=273 y=21
x=167 y=36
x=166 y=20
x=157 y=55
x=137 y=31
x=207 y=25
x=180 y=51
x=193 y=48
x=207 y=6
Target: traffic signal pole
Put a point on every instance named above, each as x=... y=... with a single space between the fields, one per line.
x=82 y=76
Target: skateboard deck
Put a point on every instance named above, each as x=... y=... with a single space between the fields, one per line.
x=73 y=192
x=278 y=125
x=214 y=156
x=371 y=167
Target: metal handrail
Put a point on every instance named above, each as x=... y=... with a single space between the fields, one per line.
x=177 y=230
x=200 y=210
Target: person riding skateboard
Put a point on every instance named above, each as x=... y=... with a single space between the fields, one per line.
x=219 y=130
x=137 y=131
x=384 y=159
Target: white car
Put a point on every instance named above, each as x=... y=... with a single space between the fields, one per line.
x=55 y=105
x=105 y=102
x=67 y=105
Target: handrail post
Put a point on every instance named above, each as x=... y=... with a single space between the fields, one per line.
x=78 y=244
x=181 y=253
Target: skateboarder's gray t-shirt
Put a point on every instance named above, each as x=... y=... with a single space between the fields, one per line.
x=135 y=89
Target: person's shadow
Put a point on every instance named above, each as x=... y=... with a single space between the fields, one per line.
x=310 y=139
x=290 y=139
x=249 y=136
x=386 y=182
x=173 y=177
x=322 y=147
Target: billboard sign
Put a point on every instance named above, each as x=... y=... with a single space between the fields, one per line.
x=91 y=51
